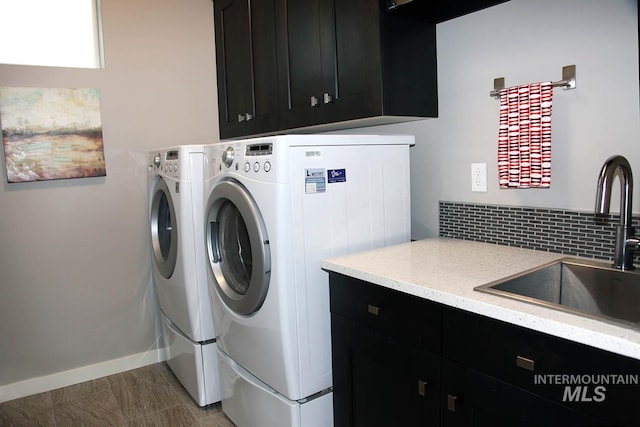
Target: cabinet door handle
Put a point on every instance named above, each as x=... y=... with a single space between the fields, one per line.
x=314 y=101
x=248 y=116
x=422 y=388
x=451 y=402
x=524 y=363
x=372 y=309
x=240 y=118
x=327 y=98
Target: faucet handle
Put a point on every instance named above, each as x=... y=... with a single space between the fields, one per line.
x=633 y=243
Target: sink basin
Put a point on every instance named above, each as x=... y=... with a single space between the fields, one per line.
x=580 y=287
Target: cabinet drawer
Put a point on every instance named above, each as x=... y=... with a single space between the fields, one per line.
x=475 y=399
x=394 y=313
x=561 y=370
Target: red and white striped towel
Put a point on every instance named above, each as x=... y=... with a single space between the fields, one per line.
x=524 y=136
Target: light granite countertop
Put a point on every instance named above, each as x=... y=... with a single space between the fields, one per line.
x=447 y=270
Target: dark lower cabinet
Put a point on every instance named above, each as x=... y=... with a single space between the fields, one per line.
x=379 y=381
x=399 y=360
x=586 y=379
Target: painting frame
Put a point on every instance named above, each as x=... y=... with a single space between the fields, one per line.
x=51 y=133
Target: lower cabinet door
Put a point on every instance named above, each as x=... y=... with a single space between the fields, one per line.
x=378 y=381
x=471 y=398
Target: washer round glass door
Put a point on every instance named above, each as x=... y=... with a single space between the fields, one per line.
x=239 y=255
x=164 y=229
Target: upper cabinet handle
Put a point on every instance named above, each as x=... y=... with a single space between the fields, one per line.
x=373 y=310
x=422 y=388
x=314 y=101
x=327 y=98
x=452 y=402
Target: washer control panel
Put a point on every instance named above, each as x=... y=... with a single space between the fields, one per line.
x=167 y=163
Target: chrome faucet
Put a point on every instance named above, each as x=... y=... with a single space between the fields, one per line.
x=626 y=241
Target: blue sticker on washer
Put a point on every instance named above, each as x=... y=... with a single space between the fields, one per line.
x=336 y=175
x=315 y=181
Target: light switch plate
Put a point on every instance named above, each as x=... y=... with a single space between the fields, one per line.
x=479 y=177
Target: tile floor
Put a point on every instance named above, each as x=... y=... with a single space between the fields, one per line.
x=148 y=396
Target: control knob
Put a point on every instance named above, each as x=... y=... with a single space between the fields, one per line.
x=227 y=157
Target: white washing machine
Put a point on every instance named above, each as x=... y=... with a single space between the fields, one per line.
x=176 y=207
x=275 y=207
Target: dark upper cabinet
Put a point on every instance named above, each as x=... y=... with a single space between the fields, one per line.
x=287 y=64
x=245 y=32
x=447 y=9
x=437 y=11
x=338 y=62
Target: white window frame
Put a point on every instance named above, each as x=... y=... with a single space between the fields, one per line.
x=61 y=33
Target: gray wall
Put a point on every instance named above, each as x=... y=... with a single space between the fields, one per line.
x=75 y=286
x=75 y=291
x=529 y=41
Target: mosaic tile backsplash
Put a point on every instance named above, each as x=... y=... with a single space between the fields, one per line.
x=553 y=230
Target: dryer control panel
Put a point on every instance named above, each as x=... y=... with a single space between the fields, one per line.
x=259 y=149
x=253 y=160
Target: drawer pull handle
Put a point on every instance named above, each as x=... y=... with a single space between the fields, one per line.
x=373 y=309
x=524 y=363
x=422 y=388
x=451 y=403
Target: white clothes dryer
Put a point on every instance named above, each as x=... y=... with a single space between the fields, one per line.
x=276 y=206
x=176 y=177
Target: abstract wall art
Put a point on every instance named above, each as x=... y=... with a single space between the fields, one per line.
x=51 y=133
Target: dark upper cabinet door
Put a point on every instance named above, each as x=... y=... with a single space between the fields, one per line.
x=352 y=59
x=301 y=64
x=351 y=86
x=332 y=60
x=246 y=66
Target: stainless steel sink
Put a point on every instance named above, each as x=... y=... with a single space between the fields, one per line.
x=581 y=287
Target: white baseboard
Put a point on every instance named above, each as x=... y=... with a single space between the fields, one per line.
x=78 y=375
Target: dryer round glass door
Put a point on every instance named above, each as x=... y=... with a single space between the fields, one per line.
x=164 y=230
x=238 y=248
